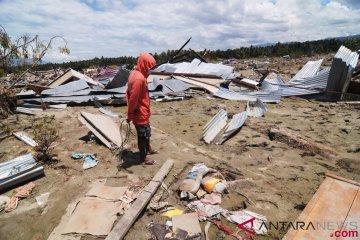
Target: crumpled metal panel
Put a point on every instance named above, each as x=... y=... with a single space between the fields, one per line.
x=214 y=126
x=196 y=66
x=167 y=86
x=308 y=70
x=257 y=109
x=306 y=86
x=342 y=68
x=269 y=97
x=271 y=84
x=75 y=99
x=350 y=58
x=67 y=88
x=19 y=164
x=235 y=124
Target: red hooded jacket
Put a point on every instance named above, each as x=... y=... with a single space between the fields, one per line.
x=137 y=94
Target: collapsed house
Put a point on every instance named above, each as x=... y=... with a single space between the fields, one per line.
x=74 y=88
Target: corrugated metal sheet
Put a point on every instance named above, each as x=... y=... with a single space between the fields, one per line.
x=271 y=84
x=167 y=86
x=269 y=97
x=308 y=70
x=350 y=58
x=75 y=99
x=215 y=126
x=235 y=124
x=306 y=86
x=341 y=71
x=256 y=109
x=196 y=66
x=19 y=164
x=73 y=86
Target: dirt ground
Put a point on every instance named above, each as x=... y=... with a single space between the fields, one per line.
x=278 y=179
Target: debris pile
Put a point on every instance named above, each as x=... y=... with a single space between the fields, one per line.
x=204 y=187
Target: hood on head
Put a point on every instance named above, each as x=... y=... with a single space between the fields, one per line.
x=145 y=63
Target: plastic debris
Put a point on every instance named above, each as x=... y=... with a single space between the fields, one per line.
x=42 y=199
x=213 y=182
x=206 y=210
x=212 y=198
x=191 y=183
x=89 y=159
x=89 y=162
x=172 y=213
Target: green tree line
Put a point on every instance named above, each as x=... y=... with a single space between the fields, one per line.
x=294 y=49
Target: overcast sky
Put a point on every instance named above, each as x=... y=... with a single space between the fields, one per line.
x=128 y=27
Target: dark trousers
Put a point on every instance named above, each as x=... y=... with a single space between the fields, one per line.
x=143 y=135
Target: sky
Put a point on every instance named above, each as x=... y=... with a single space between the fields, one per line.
x=113 y=28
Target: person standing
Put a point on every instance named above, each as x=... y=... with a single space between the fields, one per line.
x=138 y=103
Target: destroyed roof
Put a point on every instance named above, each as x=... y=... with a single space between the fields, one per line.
x=268 y=97
x=310 y=69
x=218 y=129
x=341 y=70
x=69 y=75
x=197 y=67
x=73 y=86
x=168 y=85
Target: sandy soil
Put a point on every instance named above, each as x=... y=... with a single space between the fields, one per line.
x=278 y=179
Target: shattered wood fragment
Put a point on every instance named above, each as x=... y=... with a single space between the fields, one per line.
x=301 y=142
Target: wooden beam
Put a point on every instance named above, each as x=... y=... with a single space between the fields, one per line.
x=130 y=216
x=342 y=179
x=210 y=87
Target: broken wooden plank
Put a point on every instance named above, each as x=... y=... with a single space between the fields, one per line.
x=352 y=217
x=247 y=82
x=108 y=128
x=342 y=179
x=301 y=142
x=130 y=216
x=96 y=132
x=335 y=202
x=25 y=138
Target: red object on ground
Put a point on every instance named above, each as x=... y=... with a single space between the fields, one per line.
x=137 y=94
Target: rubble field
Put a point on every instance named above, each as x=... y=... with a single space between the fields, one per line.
x=268 y=175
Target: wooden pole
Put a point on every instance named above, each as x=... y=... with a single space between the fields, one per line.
x=130 y=216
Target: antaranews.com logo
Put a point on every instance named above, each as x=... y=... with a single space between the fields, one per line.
x=343 y=229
